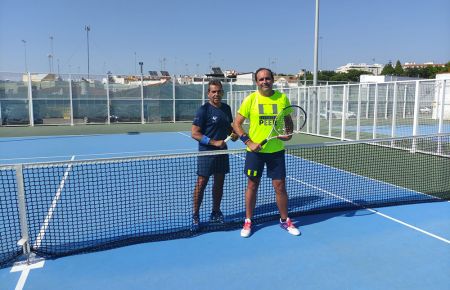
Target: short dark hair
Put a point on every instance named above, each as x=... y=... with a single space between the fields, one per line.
x=263 y=68
x=215 y=83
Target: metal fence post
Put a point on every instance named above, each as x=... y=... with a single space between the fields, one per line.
x=308 y=110
x=142 y=99
x=318 y=111
x=30 y=100
x=71 y=99
x=404 y=101
x=358 y=114
x=416 y=109
x=108 y=111
x=173 y=99
x=203 y=91
x=394 y=111
x=416 y=116
x=330 y=112
x=441 y=105
x=231 y=89
x=387 y=102
x=367 y=101
x=375 y=113
x=344 y=111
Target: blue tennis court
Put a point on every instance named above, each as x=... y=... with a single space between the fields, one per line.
x=393 y=247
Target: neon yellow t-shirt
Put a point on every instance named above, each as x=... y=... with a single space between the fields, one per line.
x=261 y=112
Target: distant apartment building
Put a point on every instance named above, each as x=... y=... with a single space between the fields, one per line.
x=372 y=68
x=421 y=65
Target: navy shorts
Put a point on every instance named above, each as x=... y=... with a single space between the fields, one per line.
x=275 y=162
x=211 y=164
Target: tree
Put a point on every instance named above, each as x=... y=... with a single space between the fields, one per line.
x=354 y=75
x=388 y=69
x=325 y=75
x=398 y=69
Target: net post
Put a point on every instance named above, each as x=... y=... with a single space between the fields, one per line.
x=25 y=240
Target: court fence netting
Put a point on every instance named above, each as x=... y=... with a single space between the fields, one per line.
x=56 y=209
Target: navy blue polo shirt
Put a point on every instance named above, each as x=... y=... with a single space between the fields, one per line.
x=214 y=123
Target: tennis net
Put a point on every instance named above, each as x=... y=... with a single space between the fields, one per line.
x=65 y=208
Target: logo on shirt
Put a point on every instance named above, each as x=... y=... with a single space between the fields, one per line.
x=214 y=119
x=267 y=114
x=266 y=120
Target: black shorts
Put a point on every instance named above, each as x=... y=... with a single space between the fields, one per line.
x=276 y=164
x=211 y=164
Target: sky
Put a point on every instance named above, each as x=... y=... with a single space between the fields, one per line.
x=189 y=37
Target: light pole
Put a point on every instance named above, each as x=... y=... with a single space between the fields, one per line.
x=321 y=52
x=304 y=70
x=87 y=28
x=50 y=56
x=142 y=70
x=25 y=49
x=316 y=43
x=135 y=62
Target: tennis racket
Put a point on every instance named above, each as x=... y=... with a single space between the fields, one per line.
x=229 y=136
x=287 y=123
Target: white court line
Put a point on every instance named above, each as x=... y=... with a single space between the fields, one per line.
x=96 y=154
x=184 y=134
x=373 y=211
x=55 y=200
x=365 y=177
x=26 y=269
x=369 y=209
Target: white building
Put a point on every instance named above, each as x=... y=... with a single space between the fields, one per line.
x=246 y=79
x=372 y=68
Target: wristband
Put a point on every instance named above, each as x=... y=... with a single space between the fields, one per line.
x=244 y=138
x=205 y=140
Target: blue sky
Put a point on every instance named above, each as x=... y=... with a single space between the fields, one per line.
x=190 y=36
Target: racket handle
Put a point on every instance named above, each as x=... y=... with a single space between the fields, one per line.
x=263 y=142
x=227 y=139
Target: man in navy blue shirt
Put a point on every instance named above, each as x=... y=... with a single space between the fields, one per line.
x=211 y=126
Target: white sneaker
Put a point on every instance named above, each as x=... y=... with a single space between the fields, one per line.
x=290 y=227
x=247 y=229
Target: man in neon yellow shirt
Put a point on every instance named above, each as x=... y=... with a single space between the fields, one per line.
x=261 y=108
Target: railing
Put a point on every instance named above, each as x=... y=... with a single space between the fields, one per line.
x=371 y=110
x=49 y=99
x=345 y=111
